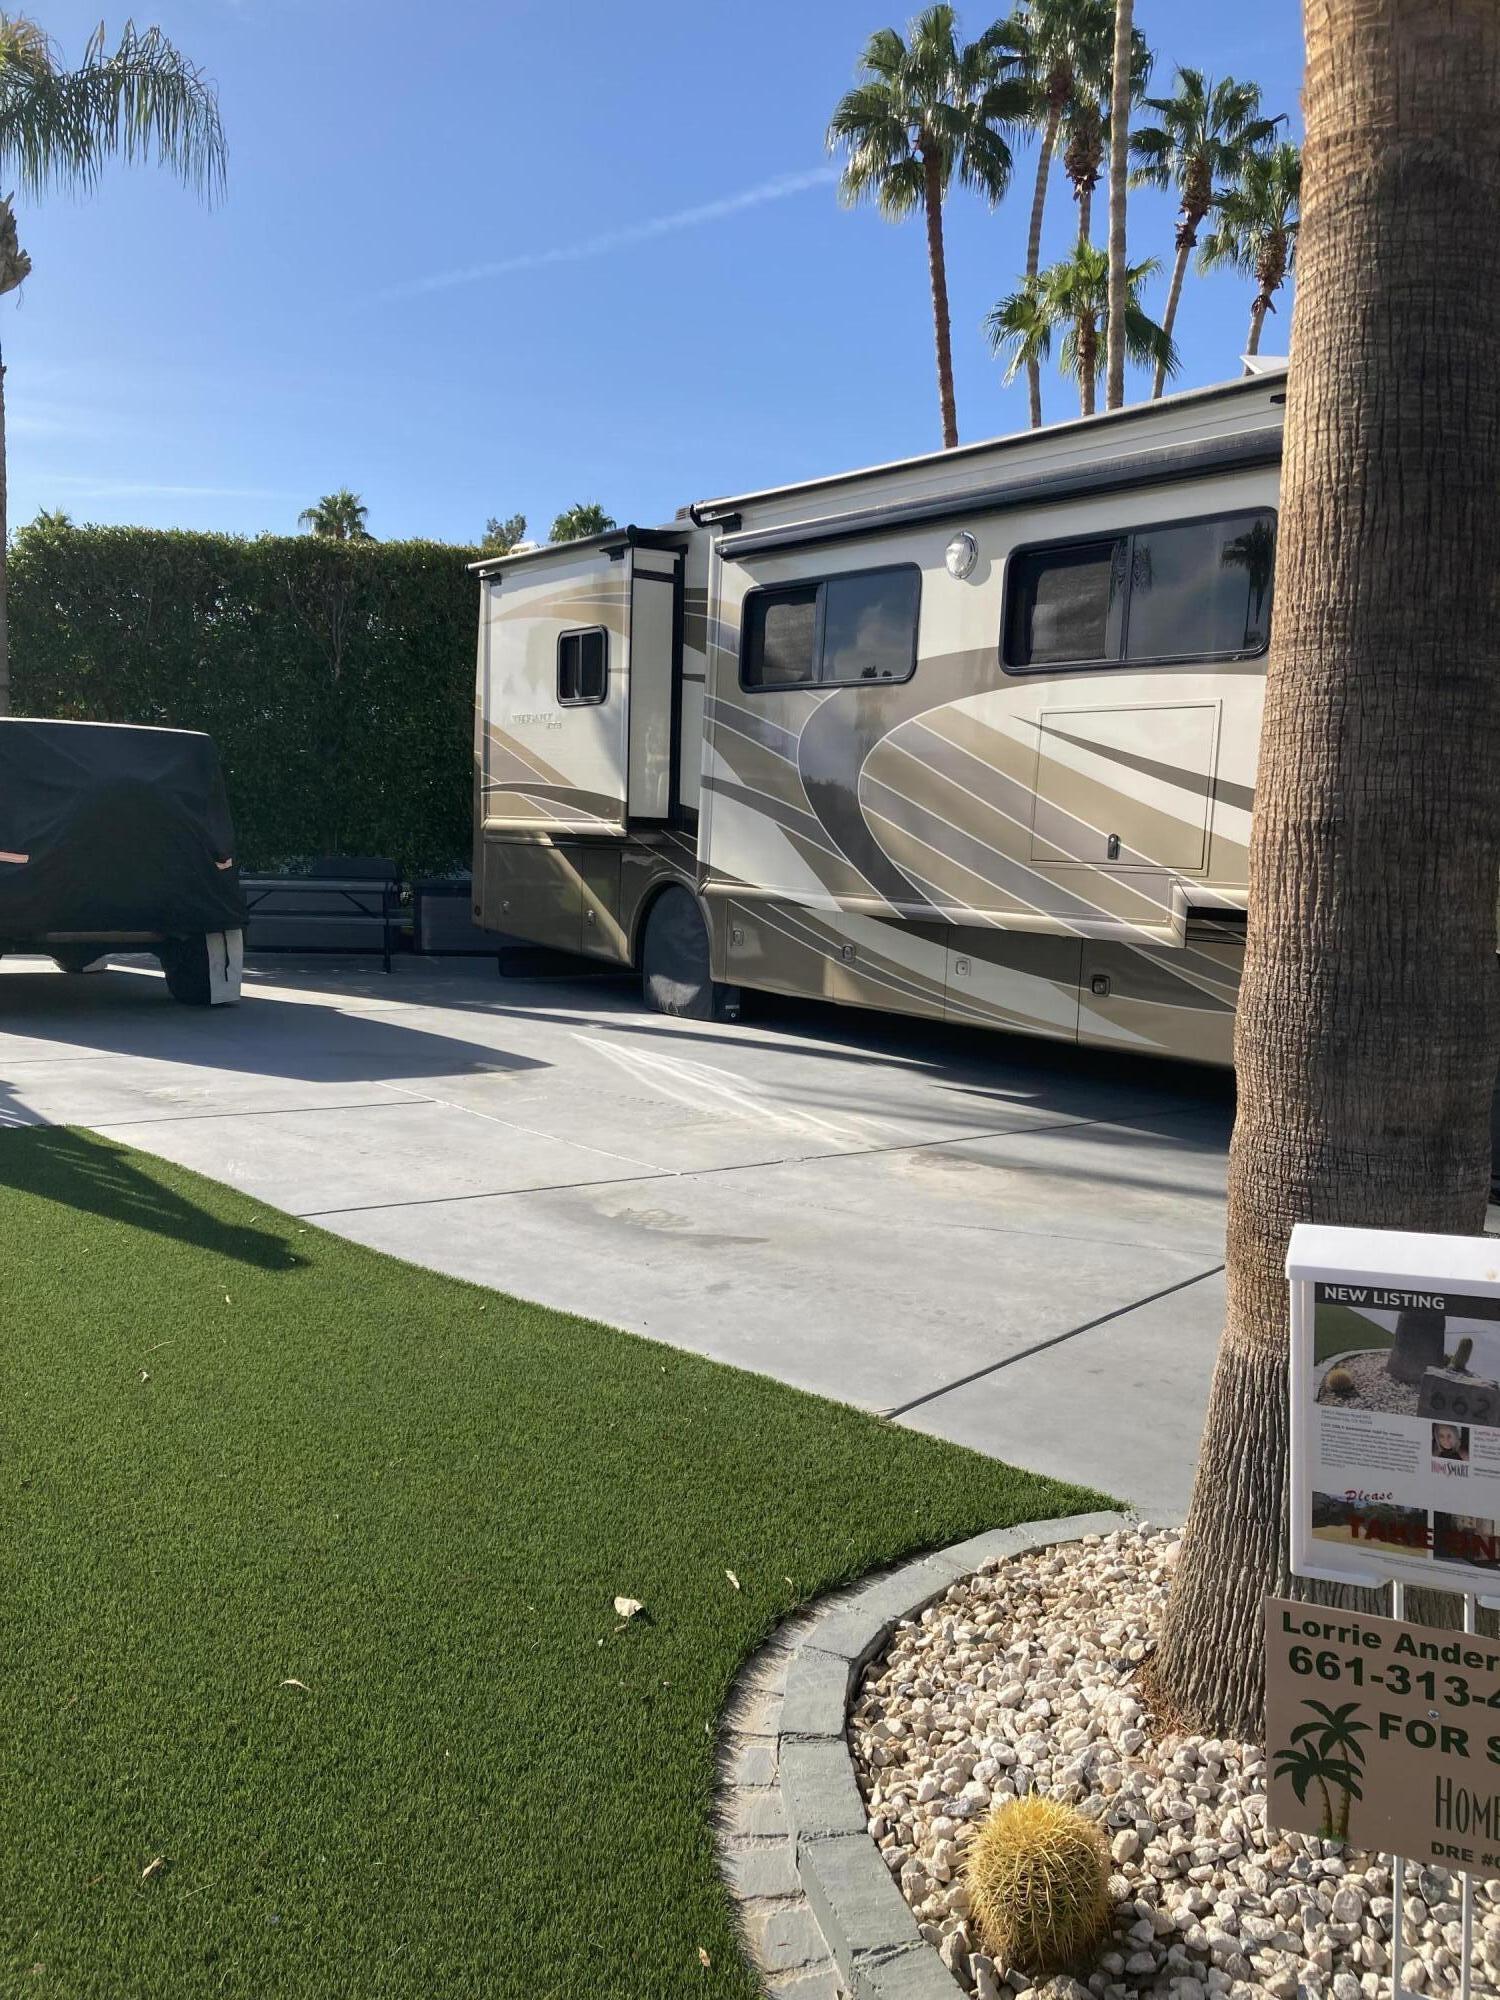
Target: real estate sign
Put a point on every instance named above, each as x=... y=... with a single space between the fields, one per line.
x=1395 y=1408
x=1384 y=1734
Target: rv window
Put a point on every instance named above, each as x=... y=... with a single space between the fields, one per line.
x=1201 y=588
x=1066 y=604
x=582 y=667
x=870 y=625
x=781 y=630
x=1188 y=590
x=850 y=629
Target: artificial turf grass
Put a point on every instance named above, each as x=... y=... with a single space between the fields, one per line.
x=236 y=1452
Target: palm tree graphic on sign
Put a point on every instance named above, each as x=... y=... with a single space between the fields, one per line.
x=1327 y=1752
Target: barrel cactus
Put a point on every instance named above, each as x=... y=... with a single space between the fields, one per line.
x=1038 y=1880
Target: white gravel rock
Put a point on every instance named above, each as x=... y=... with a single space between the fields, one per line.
x=1023 y=1678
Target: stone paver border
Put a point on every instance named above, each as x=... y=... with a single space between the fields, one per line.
x=819 y=1911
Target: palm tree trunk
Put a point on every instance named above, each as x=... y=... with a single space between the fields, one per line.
x=1420 y=1344
x=1085 y=214
x=1369 y=1015
x=1119 y=154
x=1034 y=247
x=4 y=560
x=932 y=202
x=1257 y=321
x=1185 y=240
x=1088 y=364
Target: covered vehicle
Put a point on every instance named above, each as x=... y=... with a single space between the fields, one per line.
x=115 y=837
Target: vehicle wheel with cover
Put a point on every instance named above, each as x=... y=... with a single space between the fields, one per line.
x=675 y=976
x=185 y=962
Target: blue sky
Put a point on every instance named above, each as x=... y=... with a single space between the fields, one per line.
x=502 y=255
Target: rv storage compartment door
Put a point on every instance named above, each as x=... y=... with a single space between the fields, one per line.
x=533 y=890
x=1125 y=789
x=655 y=669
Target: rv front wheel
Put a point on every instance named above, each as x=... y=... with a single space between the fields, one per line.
x=675 y=975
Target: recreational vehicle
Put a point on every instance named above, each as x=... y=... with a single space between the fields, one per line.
x=971 y=735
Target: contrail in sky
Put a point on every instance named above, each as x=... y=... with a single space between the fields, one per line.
x=619 y=239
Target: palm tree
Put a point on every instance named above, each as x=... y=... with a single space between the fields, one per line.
x=339 y=516
x=48 y=519
x=1206 y=133
x=141 y=100
x=500 y=537
x=1255 y=228
x=1052 y=48
x=1367 y=1029
x=1071 y=297
x=1119 y=157
x=587 y=518
x=929 y=109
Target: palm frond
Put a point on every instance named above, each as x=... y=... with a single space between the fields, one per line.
x=868 y=123
x=1151 y=149
x=901 y=189
x=141 y=100
x=1020 y=329
x=884 y=55
x=932 y=55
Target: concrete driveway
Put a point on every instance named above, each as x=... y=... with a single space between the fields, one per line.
x=1010 y=1244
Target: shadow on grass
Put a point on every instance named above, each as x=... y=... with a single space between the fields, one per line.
x=82 y=1172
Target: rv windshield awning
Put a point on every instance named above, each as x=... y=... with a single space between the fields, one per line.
x=1239 y=452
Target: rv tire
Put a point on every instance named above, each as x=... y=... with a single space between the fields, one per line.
x=675 y=966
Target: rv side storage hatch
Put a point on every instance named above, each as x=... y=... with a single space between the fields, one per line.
x=1125 y=788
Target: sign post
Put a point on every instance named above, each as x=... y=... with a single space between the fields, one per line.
x=1385 y=1731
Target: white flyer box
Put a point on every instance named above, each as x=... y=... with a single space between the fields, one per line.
x=1395 y=1408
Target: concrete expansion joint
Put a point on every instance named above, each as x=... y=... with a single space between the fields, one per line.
x=819 y=1913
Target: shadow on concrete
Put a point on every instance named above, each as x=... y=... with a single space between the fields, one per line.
x=981 y=1069
x=127 y=1012
x=79 y=1171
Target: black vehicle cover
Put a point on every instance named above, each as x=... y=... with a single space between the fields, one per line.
x=109 y=827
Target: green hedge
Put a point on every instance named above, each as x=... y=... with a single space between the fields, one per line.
x=336 y=678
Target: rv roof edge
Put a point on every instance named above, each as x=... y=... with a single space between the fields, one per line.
x=1164 y=466
x=629 y=537
x=1261 y=386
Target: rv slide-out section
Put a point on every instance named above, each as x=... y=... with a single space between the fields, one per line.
x=971 y=736
x=579 y=780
